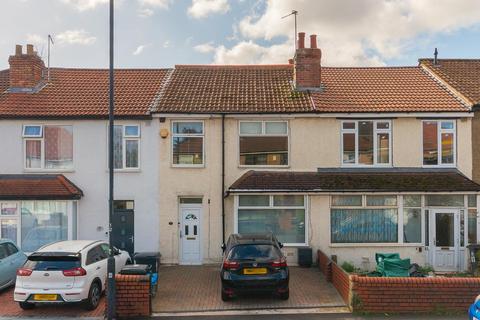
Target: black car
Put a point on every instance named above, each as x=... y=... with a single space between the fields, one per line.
x=254 y=263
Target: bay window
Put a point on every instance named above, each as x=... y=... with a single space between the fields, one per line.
x=439 y=143
x=126 y=144
x=48 y=147
x=263 y=143
x=283 y=215
x=187 y=143
x=366 y=142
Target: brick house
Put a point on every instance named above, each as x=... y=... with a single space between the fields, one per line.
x=349 y=160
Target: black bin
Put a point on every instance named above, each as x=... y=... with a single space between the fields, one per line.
x=150 y=258
x=305 y=257
x=136 y=269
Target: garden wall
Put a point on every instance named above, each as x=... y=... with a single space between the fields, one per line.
x=334 y=274
x=133 y=296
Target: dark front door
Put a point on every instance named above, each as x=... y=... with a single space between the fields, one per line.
x=123 y=230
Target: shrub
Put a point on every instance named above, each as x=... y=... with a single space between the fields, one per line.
x=348 y=267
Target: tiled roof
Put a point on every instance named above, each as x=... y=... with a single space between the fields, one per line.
x=461 y=74
x=355 y=181
x=37 y=187
x=84 y=93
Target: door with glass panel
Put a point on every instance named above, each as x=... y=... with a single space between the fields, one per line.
x=190 y=234
x=445 y=239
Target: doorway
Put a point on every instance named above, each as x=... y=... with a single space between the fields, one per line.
x=445 y=239
x=123 y=226
x=190 y=231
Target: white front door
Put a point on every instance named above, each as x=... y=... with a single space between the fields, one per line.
x=445 y=239
x=190 y=234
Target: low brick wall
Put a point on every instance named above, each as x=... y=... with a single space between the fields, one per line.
x=335 y=274
x=373 y=294
x=325 y=265
x=133 y=296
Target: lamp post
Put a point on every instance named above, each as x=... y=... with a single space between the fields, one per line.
x=111 y=298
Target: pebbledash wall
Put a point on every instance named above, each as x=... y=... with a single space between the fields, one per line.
x=314 y=142
x=90 y=173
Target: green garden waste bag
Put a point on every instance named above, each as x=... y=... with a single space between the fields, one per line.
x=390 y=265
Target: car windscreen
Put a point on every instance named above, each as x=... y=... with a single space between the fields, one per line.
x=53 y=262
x=254 y=252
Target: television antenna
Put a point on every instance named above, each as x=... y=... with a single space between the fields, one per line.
x=293 y=13
x=49 y=40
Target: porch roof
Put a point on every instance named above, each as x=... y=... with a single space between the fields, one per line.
x=37 y=187
x=352 y=180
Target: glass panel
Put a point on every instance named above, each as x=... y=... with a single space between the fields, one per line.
x=430 y=143
x=58 y=147
x=383 y=147
x=349 y=148
x=191 y=200
x=364 y=225
x=472 y=226
x=347 y=201
x=447 y=148
x=131 y=153
x=32 y=131
x=412 y=225
x=365 y=142
x=117 y=147
x=8 y=208
x=444 y=229
x=123 y=204
x=33 y=153
x=188 y=127
x=250 y=128
x=288 y=201
x=43 y=222
x=132 y=131
x=447 y=125
x=288 y=225
x=188 y=150
x=275 y=127
x=254 y=201
x=349 y=125
x=412 y=201
x=8 y=229
x=462 y=228
x=383 y=125
x=264 y=151
x=444 y=200
x=472 y=200
x=377 y=201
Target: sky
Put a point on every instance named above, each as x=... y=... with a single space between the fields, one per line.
x=162 y=33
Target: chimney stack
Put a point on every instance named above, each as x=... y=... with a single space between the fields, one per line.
x=26 y=70
x=307 y=74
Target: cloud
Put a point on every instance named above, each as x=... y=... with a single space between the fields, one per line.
x=80 y=37
x=145 y=12
x=146 y=7
x=203 y=8
x=139 y=49
x=350 y=32
x=205 y=47
x=82 y=5
x=34 y=38
x=167 y=44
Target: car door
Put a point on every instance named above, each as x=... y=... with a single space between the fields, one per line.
x=5 y=267
x=17 y=258
x=96 y=263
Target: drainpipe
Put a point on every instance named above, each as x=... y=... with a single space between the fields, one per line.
x=223 y=178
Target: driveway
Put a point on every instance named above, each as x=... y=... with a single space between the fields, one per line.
x=197 y=288
x=10 y=308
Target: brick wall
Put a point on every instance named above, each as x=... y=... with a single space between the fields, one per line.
x=133 y=296
x=341 y=281
x=413 y=294
x=325 y=265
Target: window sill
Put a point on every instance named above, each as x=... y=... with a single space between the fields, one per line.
x=126 y=170
x=358 y=245
x=365 y=166
x=263 y=166
x=295 y=245
x=49 y=170
x=440 y=166
x=188 y=166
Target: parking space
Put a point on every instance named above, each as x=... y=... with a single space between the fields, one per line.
x=10 y=308
x=197 y=288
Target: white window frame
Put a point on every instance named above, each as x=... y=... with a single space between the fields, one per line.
x=375 y=138
x=305 y=207
x=188 y=135
x=126 y=138
x=439 y=143
x=264 y=134
x=40 y=137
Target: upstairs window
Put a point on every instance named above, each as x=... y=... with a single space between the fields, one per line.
x=366 y=143
x=264 y=143
x=126 y=142
x=439 y=143
x=187 y=143
x=48 y=147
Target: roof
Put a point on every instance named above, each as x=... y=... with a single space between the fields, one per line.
x=83 y=93
x=37 y=187
x=461 y=74
x=334 y=180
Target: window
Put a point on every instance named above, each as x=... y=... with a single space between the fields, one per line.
x=412 y=219
x=347 y=201
x=126 y=141
x=472 y=219
x=123 y=204
x=187 y=143
x=48 y=147
x=264 y=143
x=439 y=143
x=283 y=215
x=445 y=200
x=366 y=143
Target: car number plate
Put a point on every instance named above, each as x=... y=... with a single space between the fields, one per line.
x=255 y=271
x=44 y=297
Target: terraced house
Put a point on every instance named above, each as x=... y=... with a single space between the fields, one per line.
x=350 y=160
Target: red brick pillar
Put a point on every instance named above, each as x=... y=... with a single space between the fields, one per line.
x=133 y=296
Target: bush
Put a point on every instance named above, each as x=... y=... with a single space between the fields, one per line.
x=348 y=267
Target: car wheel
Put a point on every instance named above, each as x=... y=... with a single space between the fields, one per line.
x=26 y=305
x=285 y=295
x=94 y=295
x=225 y=296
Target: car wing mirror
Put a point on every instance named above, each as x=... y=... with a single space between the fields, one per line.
x=224 y=247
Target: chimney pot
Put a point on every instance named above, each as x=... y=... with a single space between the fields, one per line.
x=313 y=41
x=30 y=49
x=301 y=40
x=18 y=50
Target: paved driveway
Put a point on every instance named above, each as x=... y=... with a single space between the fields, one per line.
x=197 y=288
x=10 y=308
